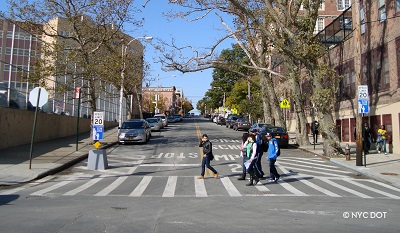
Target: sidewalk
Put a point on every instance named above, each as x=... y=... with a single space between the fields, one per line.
x=47 y=157
x=56 y=155
x=385 y=168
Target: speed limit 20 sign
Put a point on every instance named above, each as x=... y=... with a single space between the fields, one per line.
x=362 y=92
x=98 y=118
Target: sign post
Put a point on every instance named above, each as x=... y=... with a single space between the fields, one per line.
x=363 y=107
x=37 y=97
x=97 y=159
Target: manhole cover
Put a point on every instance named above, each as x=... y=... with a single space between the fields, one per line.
x=389 y=174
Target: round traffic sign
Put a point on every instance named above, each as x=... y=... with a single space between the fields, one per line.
x=34 y=95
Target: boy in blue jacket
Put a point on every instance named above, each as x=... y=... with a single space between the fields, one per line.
x=273 y=150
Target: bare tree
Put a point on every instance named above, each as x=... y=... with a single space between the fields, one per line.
x=289 y=30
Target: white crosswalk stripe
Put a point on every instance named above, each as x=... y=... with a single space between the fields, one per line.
x=169 y=190
x=233 y=192
x=141 y=187
x=345 y=188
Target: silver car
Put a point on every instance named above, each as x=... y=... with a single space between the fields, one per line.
x=155 y=123
x=137 y=130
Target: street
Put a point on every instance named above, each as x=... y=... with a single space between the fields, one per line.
x=153 y=187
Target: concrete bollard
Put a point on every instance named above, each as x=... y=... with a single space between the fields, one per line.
x=97 y=160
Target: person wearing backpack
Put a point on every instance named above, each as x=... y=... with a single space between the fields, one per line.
x=207 y=157
x=273 y=153
x=259 y=142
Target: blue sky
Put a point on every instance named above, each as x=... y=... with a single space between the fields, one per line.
x=201 y=35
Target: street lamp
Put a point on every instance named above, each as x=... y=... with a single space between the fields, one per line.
x=123 y=52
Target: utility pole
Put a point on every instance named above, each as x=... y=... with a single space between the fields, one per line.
x=357 y=67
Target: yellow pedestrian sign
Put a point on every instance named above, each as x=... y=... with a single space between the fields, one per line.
x=284 y=103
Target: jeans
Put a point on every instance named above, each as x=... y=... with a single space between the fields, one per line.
x=252 y=168
x=381 y=145
x=258 y=167
x=206 y=163
x=272 y=169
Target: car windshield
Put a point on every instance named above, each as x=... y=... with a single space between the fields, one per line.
x=152 y=120
x=132 y=125
x=273 y=129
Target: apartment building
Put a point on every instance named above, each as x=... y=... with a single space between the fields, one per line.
x=19 y=48
x=160 y=100
x=380 y=68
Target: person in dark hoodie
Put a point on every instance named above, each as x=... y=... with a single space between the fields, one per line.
x=206 y=157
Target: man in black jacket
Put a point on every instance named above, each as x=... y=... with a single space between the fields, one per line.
x=207 y=156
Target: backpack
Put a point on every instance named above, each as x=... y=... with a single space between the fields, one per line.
x=279 y=149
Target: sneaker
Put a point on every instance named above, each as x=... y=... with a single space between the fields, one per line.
x=216 y=176
x=271 y=180
x=256 y=180
x=385 y=153
x=200 y=177
x=276 y=179
x=379 y=151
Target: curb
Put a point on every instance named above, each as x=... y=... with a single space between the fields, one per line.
x=68 y=164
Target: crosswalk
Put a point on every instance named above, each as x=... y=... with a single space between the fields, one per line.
x=296 y=185
x=301 y=177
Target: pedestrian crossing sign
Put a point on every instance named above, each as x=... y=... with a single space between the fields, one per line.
x=284 y=103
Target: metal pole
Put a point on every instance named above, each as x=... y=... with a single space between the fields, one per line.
x=33 y=130
x=77 y=121
x=357 y=66
x=121 y=93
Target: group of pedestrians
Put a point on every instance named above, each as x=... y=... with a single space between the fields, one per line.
x=251 y=151
x=380 y=142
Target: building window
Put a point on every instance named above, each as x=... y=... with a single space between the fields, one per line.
x=381 y=10
x=319 y=25
x=345 y=23
x=397 y=6
x=362 y=20
x=343 y=4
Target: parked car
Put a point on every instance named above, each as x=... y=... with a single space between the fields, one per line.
x=279 y=133
x=230 y=120
x=137 y=130
x=221 y=121
x=163 y=118
x=171 y=119
x=155 y=123
x=241 y=124
x=187 y=115
x=258 y=126
x=178 y=117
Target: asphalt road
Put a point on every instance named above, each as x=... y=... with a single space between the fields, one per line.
x=153 y=187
